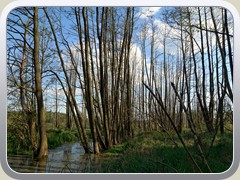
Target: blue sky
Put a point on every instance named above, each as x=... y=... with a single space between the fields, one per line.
x=151 y=16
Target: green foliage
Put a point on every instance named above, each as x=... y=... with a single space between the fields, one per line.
x=16 y=145
x=17 y=134
x=18 y=141
x=55 y=137
x=58 y=137
x=116 y=150
x=51 y=120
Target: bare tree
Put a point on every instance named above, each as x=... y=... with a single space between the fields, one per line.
x=43 y=146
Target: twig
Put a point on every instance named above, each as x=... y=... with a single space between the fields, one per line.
x=66 y=166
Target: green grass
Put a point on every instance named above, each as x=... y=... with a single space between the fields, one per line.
x=18 y=142
x=58 y=137
x=118 y=149
x=155 y=153
x=55 y=138
x=16 y=145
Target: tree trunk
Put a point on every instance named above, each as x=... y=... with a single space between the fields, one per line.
x=43 y=146
x=88 y=86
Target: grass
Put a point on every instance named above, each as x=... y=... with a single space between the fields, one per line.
x=55 y=137
x=58 y=137
x=154 y=153
x=18 y=142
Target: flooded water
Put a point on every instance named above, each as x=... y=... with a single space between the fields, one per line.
x=68 y=158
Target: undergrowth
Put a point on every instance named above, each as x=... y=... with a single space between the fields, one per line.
x=55 y=138
x=58 y=137
x=154 y=152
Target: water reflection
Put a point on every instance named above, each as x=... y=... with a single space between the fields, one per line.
x=27 y=164
x=41 y=166
x=69 y=158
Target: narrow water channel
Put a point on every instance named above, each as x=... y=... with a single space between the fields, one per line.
x=68 y=158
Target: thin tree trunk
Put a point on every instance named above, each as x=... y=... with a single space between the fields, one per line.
x=88 y=85
x=160 y=102
x=79 y=122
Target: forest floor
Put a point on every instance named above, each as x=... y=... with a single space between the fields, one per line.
x=155 y=152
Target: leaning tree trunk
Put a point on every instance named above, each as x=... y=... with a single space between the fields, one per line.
x=73 y=105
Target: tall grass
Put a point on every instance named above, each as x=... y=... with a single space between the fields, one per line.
x=155 y=153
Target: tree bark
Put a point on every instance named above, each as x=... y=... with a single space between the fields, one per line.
x=43 y=146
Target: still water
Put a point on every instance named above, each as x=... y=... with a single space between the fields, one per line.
x=68 y=158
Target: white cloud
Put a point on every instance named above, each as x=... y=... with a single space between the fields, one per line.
x=165 y=29
x=146 y=12
x=135 y=55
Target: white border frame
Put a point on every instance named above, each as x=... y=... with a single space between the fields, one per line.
x=144 y=3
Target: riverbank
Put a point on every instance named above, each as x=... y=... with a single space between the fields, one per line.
x=55 y=137
x=155 y=152
x=152 y=152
